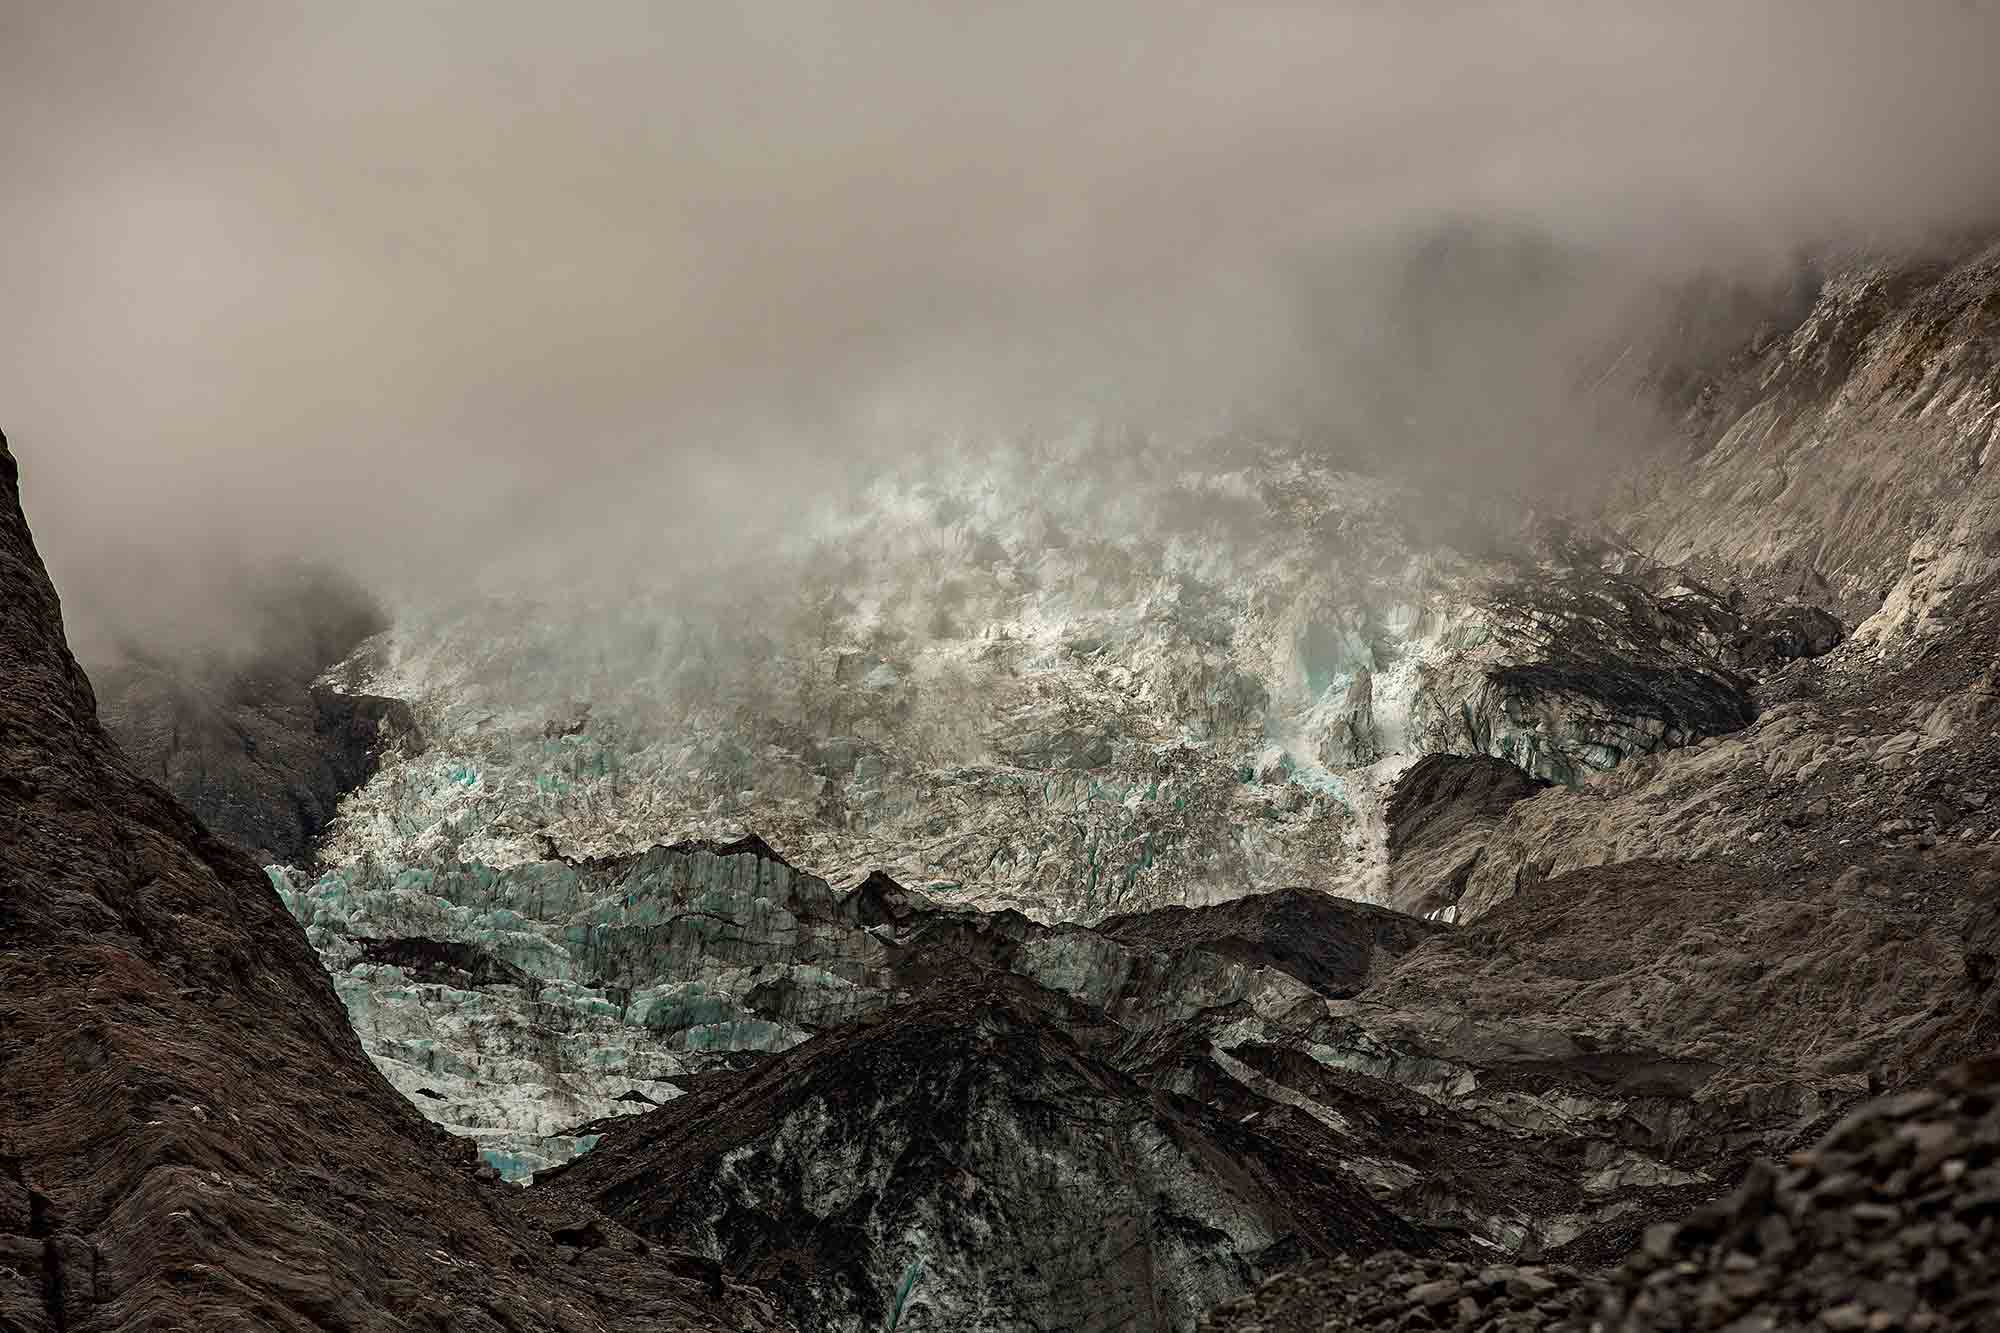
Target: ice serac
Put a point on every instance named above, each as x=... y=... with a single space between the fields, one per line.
x=511 y=1005
x=1061 y=682
x=191 y=1136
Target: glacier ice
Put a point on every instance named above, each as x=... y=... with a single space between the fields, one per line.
x=1007 y=684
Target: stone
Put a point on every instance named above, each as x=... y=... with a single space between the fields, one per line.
x=1439 y=1293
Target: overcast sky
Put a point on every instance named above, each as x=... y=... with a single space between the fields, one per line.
x=392 y=281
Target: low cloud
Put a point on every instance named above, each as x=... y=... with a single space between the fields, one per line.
x=418 y=288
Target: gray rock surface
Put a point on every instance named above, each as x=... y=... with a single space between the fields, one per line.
x=966 y=1161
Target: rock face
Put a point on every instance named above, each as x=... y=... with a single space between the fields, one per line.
x=1849 y=462
x=1441 y=815
x=1681 y=1011
x=1331 y=945
x=964 y=1161
x=190 y=1135
x=246 y=740
x=1851 y=755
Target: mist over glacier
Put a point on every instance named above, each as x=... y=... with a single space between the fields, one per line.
x=419 y=292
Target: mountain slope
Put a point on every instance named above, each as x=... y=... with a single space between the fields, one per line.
x=190 y=1135
x=1851 y=461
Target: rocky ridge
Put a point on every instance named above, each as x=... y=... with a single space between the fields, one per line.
x=968 y=1160
x=190 y=1134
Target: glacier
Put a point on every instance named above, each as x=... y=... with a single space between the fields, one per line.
x=1047 y=680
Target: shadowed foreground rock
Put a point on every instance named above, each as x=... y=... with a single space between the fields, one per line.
x=190 y=1135
x=962 y=1162
x=1891 y=1221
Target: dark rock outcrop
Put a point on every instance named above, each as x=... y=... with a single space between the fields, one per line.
x=1631 y=658
x=1589 y=654
x=247 y=740
x=964 y=1161
x=1787 y=634
x=190 y=1135
x=1330 y=944
x=1440 y=815
x=445 y=962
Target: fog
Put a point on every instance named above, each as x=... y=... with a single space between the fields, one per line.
x=415 y=288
